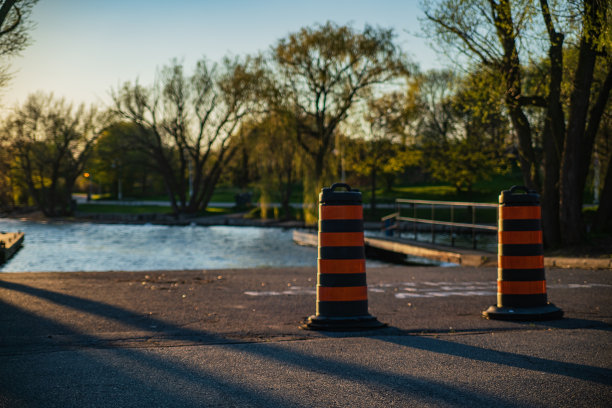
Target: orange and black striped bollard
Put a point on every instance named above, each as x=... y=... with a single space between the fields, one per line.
x=342 y=292
x=521 y=281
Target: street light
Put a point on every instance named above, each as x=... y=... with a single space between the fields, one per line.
x=86 y=175
x=117 y=166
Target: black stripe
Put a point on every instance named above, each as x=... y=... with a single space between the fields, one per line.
x=344 y=252
x=341 y=309
x=521 y=274
x=521 y=300
x=341 y=202
x=521 y=249
x=341 y=279
x=521 y=202
x=522 y=225
x=341 y=225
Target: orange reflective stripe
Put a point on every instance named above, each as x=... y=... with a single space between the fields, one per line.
x=342 y=265
x=520 y=213
x=341 y=212
x=521 y=287
x=520 y=237
x=327 y=239
x=342 y=294
x=520 y=262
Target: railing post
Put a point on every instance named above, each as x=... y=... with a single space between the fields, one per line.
x=398 y=206
x=414 y=215
x=433 y=227
x=452 y=208
x=453 y=226
x=474 y=227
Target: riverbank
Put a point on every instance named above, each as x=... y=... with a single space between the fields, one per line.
x=236 y=219
x=596 y=253
x=231 y=338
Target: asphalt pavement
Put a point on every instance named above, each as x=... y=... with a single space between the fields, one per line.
x=231 y=338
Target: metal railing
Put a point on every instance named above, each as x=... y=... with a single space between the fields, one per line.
x=415 y=205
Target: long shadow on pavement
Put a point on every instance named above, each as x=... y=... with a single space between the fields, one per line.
x=146 y=380
x=578 y=371
x=415 y=387
x=425 y=389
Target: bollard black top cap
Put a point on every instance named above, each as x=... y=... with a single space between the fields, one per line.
x=332 y=196
x=513 y=197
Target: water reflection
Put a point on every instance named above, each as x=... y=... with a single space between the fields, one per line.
x=66 y=247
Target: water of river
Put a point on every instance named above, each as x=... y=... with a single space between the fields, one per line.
x=66 y=247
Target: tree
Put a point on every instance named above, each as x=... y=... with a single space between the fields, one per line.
x=121 y=167
x=496 y=33
x=460 y=128
x=603 y=218
x=382 y=150
x=321 y=72
x=272 y=142
x=187 y=124
x=50 y=141
x=14 y=27
x=6 y=183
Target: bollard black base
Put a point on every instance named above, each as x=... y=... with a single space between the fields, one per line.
x=356 y=323
x=546 y=312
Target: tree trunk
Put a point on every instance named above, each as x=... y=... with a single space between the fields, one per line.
x=373 y=185
x=572 y=180
x=603 y=217
x=511 y=69
x=553 y=135
x=287 y=188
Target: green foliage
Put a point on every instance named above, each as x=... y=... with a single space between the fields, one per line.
x=50 y=141
x=187 y=124
x=321 y=72
x=116 y=164
x=462 y=131
x=459 y=163
x=556 y=107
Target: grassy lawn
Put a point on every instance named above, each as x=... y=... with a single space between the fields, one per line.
x=226 y=194
x=460 y=214
x=482 y=191
x=486 y=191
x=143 y=209
x=123 y=209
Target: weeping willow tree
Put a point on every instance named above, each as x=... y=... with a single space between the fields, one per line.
x=276 y=163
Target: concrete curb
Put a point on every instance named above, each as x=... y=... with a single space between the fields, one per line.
x=583 y=263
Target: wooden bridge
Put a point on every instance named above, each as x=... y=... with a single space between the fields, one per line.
x=460 y=256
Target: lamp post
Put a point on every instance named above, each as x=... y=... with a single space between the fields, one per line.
x=86 y=175
x=117 y=166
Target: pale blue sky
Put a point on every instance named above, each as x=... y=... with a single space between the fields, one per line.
x=83 y=48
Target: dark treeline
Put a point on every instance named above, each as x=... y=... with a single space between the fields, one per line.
x=331 y=102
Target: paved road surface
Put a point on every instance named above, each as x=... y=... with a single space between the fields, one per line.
x=231 y=338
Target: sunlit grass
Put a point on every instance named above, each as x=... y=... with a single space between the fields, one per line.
x=143 y=209
x=429 y=191
x=218 y=211
x=123 y=209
